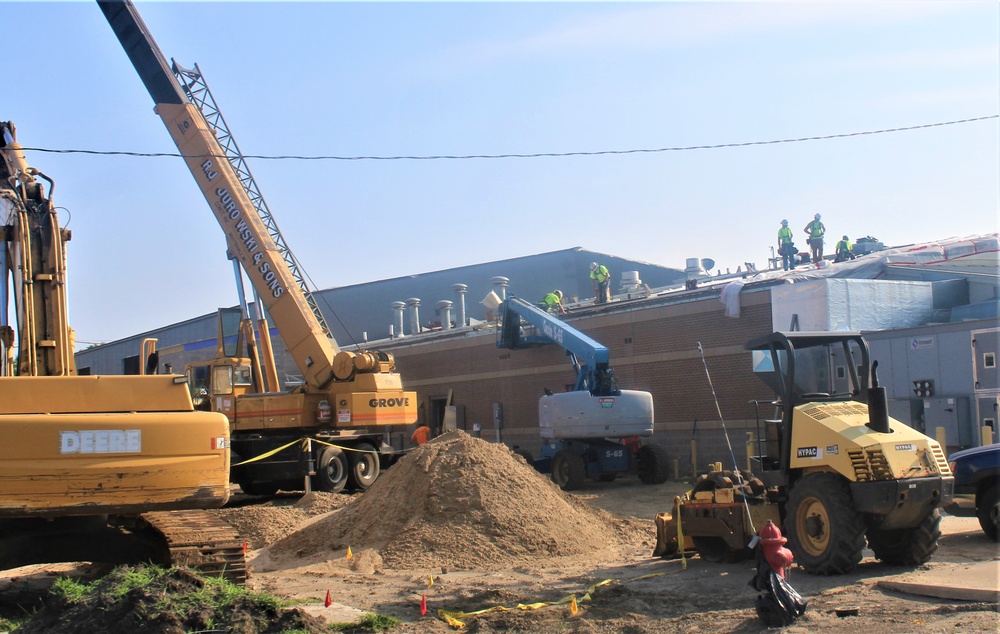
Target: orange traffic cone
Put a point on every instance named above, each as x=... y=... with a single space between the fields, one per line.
x=244 y=546
x=328 y=601
x=423 y=604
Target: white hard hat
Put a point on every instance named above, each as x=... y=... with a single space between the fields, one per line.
x=593 y=265
x=558 y=294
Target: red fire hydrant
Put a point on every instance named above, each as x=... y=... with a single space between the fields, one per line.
x=773 y=546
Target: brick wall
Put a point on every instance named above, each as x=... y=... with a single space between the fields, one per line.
x=652 y=347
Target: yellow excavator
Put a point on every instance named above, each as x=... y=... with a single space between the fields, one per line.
x=327 y=432
x=94 y=468
x=836 y=472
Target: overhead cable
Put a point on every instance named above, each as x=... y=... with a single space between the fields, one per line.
x=509 y=156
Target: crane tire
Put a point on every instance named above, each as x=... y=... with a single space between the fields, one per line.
x=365 y=467
x=331 y=470
x=907 y=546
x=259 y=488
x=568 y=470
x=653 y=464
x=825 y=531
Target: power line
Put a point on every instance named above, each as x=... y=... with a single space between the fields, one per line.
x=521 y=156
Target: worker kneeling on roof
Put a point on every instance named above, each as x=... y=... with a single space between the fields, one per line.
x=552 y=303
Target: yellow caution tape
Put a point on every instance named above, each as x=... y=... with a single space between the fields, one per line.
x=453 y=618
x=267 y=454
x=680 y=535
x=330 y=444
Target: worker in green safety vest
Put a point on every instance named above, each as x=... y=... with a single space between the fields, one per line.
x=844 y=250
x=552 y=303
x=815 y=230
x=785 y=247
x=600 y=277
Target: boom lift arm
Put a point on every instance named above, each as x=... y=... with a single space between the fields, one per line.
x=584 y=428
x=590 y=358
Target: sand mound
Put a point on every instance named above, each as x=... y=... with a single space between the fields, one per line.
x=264 y=524
x=458 y=502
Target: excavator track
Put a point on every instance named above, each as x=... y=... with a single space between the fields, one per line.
x=201 y=541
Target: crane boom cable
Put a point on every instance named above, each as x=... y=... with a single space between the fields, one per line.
x=196 y=87
x=725 y=432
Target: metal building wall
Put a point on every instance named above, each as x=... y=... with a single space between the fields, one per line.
x=943 y=355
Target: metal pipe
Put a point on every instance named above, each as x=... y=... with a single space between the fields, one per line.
x=397 y=319
x=500 y=284
x=414 y=304
x=460 y=290
x=444 y=307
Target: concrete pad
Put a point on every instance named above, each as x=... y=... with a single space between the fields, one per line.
x=964 y=582
x=336 y=613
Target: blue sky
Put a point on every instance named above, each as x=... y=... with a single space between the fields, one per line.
x=467 y=78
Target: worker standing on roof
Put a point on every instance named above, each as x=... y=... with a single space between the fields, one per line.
x=600 y=276
x=552 y=303
x=844 y=250
x=815 y=230
x=785 y=247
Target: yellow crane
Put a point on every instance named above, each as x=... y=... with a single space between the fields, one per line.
x=328 y=429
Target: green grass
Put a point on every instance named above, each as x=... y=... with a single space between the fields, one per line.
x=211 y=597
x=213 y=594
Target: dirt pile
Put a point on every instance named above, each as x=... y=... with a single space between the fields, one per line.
x=459 y=502
x=263 y=524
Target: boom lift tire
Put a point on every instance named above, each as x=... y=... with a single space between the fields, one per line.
x=824 y=530
x=526 y=456
x=907 y=546
x=365 y=467
x=988 y=510
x=568 y=470
x=332 y=470
x=653 y=464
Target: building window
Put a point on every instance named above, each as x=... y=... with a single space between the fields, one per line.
x=990 y=360
x=841 y=372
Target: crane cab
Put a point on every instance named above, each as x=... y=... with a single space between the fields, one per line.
x=215 y=384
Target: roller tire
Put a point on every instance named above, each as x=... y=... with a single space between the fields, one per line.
x=331 y=470
x=825 y=531
x=988 y=510
x=365 y=467
x=653 y=464
x=714 y=549
x=568 y=470
x=907 y=546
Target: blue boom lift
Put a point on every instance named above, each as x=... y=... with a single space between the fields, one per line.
x=584 y=429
